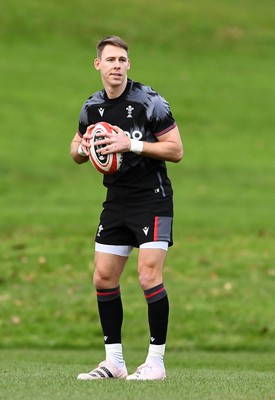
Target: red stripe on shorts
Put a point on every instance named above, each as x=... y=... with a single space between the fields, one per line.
x=156 y=228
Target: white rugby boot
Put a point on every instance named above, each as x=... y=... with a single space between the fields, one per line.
x=148 y=372
x=104 y=370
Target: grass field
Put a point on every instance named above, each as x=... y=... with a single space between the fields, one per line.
x=32 y=374
x=214 y=62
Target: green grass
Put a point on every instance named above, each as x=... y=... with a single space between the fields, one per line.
x=220 y=289
x=214 y=62
x=30 y=374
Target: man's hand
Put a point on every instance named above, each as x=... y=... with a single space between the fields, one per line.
x=117 y=142
x=85 y=142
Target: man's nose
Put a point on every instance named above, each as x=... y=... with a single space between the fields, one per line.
x=117 y=64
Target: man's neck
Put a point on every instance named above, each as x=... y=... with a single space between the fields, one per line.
x=115 y=91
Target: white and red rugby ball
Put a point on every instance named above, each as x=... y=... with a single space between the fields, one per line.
x=107 y=163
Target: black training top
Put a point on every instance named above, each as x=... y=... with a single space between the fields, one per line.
x=144 y=115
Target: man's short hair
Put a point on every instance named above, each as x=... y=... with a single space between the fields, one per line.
x=113 y=41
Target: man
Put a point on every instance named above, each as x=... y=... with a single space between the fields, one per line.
x=138 y=210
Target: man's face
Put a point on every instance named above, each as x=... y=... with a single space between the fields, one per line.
x=113 y=65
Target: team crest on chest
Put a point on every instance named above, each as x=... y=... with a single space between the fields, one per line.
x=129 y=109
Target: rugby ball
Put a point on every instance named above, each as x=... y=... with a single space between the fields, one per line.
x=108 y=163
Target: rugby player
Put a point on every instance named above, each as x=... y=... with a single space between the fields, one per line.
x=138 y=209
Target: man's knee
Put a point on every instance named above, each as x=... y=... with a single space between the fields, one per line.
x=108 y=269
x=150 y=267
x=149 y=275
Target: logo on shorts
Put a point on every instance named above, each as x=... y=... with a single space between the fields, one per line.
x=105 y=338
x=152 y=339
x=100 y=228
x=145 y=230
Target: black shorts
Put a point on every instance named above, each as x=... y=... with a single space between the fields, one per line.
x=136 y=223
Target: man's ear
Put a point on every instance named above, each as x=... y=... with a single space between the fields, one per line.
x=97 y=64
x=129 y=64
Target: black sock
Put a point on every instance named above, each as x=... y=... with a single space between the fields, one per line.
x=111 y=314
x=158 y=314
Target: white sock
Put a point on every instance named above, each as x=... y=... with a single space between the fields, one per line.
x=114 y=354
x=156 y=354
